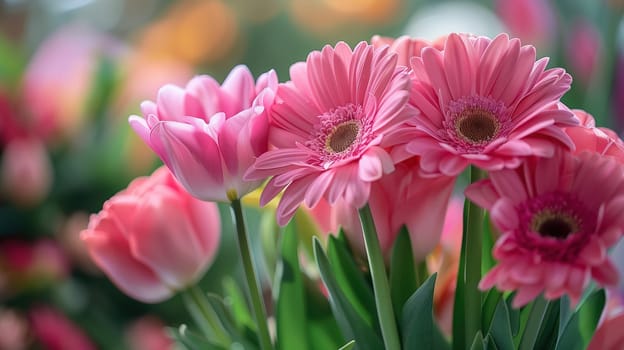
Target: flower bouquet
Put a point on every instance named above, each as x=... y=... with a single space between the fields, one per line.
x=363 y=149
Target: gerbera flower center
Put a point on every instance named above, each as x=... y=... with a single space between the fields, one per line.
x=341 y=134
x=472 y=122
x=554 y=224
x=477 y=125
x=342 y=137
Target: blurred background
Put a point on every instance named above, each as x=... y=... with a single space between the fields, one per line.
x=72 y=71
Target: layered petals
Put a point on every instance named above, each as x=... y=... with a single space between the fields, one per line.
x=210 y=134
x=332 y=127
x=555 y=227
x=153 y=238
x=485 y=102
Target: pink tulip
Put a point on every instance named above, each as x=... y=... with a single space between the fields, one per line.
x=209 y=135
x=402 y=198
x=26 y=171
x=153 y=239
x=13 y=330
x=54 y=331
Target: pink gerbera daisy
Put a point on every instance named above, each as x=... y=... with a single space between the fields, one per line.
x=485 y=102
x=331 y=125
x=556 y=227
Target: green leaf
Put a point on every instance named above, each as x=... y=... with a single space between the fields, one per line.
x=541 y=324
x=290 y=312
x=418 y=326
x=487 y=260
x=490 y=305
x=571 y=335
x=244 y=335
x=191 y=340
x=547 y=336
x=12 y=63
x=402 y=271
x=500 y=327
x=235 y=301
x=352 y=325
x=351 y=281
x=590 y=313
x=348 y=346
x=478 y=343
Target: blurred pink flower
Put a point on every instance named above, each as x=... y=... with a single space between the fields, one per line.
x=533 y=21
x=153 y=239
x=406 y=47
x=26 y=171
x=59 y=79
x=331 y=126
x=31 y=264
x=583 y=50
x=587 y=137
x=556 y=228
x=209 y=135
x=54 y=331
x=401 y=198
x=149 y=333
x=485 y=102
x=13 y=330
x=609 y=335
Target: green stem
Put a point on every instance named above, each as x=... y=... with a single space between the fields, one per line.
x=380 y=281
x=253 y=289
x=473 y=233
x=198 y=300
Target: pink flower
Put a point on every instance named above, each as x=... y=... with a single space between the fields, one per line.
x=54 y=331
x=71 y=56
x=532 y=21
x=209 y=135
x=555 y=226
x=485 y=102
x=149 y=333
x=406 y=47
x=401 y=198
x=587 y=137
x=584 y=50
x=26 y=171
x=153 y=238
x=608 y=335
x=331 y=126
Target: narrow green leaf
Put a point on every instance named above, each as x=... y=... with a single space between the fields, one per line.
x=590 y=313
x=571 y=336
x=533 y=324
x=478 y=343
x=490 y=305
x=487 y=259
x=348 y=346
x=500 y=327
x=324 y=333
x=351 y=281
x=236 y=302
x=402 y=271
x=290 y=313
x=489 y=343
x=191 y=340
x=349 y=321
x=547 y=336
x=244 y=335
x=418 y=327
